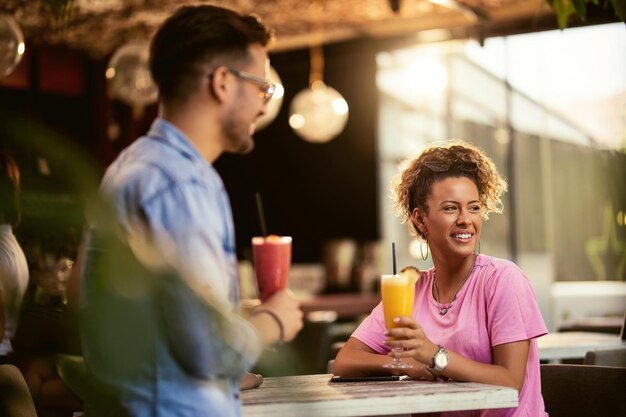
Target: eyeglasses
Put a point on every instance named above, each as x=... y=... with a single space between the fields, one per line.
x=267 y=88
x=437 y=166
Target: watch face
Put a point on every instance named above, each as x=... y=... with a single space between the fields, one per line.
x=441 y=360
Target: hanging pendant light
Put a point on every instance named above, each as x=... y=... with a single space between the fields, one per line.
x=11 y=45
x=129 y=77
x=318 y=113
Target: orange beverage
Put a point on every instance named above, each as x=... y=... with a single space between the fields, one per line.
x=398 y=296
x=272 y=259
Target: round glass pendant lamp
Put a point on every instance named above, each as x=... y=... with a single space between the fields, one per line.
x=128 y=74
x=318 y=113
x=11 y=45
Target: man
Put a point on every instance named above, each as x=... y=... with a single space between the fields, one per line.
x=159 y=284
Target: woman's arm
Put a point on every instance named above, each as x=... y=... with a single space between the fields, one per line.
x=508 y=369
x=358 y=359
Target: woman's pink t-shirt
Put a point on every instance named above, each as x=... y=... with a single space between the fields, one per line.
x=496 y=305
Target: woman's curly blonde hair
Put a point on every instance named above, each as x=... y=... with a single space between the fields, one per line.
x=413 y=185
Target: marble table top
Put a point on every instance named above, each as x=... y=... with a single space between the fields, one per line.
x=314 y=396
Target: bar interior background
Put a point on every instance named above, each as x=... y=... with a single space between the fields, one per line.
x=565 y=213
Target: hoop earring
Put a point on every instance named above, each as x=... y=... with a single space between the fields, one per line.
x=424 y=257
x=477 y=252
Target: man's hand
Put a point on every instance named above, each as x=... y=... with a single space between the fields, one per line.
x=287 y=308
x=250 y=380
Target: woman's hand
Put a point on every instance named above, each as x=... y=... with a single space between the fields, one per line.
x=509 y=360
x=418 y=371
x=410 y=336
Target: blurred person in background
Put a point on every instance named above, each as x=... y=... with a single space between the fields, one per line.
x=159 y=308
x=475 y=317
x=13 y=266
x=25 y=346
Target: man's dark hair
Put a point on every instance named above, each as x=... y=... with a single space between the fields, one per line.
x=194 y=37
x=9 y=189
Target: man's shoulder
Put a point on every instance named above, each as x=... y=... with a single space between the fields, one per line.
x=157 y=154
x=149 y=160
x=145 y=169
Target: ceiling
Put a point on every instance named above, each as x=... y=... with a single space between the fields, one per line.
x=100 y=26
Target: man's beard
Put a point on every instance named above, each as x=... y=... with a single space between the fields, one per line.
x=239 y=139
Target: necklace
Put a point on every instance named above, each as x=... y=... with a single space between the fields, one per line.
x=443 y=309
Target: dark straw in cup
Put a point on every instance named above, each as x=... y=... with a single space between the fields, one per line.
x=259 y=209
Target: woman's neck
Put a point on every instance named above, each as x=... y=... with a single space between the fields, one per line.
x=451 y=275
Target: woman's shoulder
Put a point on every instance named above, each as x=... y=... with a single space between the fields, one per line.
x=426 y=276
x=496 y=264
x=497 y=269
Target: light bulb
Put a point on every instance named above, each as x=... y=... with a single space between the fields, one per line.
x=318 y=113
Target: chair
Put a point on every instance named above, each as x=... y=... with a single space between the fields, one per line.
x=583 y=390
x=608 y=357
x=313 y=342
x=15 y=398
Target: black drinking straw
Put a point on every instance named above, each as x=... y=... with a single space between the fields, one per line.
x=393 y=255
x=259 y=209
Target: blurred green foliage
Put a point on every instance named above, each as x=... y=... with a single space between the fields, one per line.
x=566 y=8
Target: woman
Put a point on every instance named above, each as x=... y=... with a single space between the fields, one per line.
x=475 y=317
x=13 y=266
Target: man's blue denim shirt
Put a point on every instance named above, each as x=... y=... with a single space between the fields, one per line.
x=164 y=341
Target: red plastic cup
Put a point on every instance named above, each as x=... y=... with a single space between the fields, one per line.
x=272 y=259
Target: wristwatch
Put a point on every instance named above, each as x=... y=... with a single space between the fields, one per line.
x=440 y=361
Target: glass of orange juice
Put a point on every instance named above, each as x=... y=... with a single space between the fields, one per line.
x=398 y=296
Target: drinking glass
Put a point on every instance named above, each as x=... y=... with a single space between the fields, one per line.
x=272 y=259
x=398 y=297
